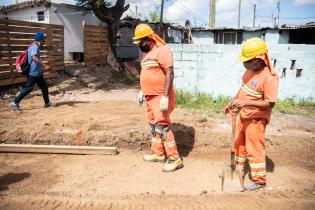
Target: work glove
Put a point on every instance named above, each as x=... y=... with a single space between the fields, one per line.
x=140 y=98
x=164 y=104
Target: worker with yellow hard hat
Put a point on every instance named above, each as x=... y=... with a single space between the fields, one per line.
x=158 y=95
x=254 y=101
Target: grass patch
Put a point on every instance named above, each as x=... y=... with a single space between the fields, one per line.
x=201 y=102
x=291 y=106
x=206 y=104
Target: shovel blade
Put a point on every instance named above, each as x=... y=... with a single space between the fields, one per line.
x=231 y=181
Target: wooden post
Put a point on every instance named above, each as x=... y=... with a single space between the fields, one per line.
x=58 y=149
x=84 y=42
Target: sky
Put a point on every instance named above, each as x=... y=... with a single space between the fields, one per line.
x=197 y=11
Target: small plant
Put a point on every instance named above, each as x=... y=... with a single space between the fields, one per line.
x=207 y=104
x=129 y=79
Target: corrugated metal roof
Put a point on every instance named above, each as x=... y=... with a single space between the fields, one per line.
x=293 y=26
x=33 y=3
x=283 y=27
x=24 y=4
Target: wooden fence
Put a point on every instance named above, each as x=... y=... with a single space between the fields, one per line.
x=95 y=44
x=16 y=36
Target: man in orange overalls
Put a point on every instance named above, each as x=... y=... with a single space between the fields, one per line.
x=156 y=81
x=255 y=100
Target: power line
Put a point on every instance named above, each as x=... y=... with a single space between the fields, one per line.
x=287 y=17
x=130 y=10
x=191 y=12
x=188 y=11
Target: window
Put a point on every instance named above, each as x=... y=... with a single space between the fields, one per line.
x=41 y=16
x=302 y=36
x=227 y=37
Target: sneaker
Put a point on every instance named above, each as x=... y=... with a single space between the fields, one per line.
x=254 y=186
x=173 y=165
x=154 y=158
x=14 y=105
x=50 y=104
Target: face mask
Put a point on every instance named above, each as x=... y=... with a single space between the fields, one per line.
x=144 y=48
x=249 y=65
x=253 y=65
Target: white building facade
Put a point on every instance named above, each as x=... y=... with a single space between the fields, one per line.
x=70 y=16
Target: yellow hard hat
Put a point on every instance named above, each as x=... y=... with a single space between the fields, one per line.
x=253 y=47
x=142 y=30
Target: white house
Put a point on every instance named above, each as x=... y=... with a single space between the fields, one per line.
x=44 y=11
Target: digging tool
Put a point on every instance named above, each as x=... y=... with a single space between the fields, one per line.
x=228 y=183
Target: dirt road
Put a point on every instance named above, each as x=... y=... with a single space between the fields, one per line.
x=124 y=181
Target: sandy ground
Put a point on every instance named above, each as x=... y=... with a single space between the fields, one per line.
x=124 y=181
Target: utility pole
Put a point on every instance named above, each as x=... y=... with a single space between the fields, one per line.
x=239 y=14
x=278 y=8
x=136 y=11
x=254 y=17
x=212 y=14
x=161 y=19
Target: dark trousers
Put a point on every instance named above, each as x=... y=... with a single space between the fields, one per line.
x=31 y=81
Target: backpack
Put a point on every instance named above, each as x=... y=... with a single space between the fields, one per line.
x=21 y=63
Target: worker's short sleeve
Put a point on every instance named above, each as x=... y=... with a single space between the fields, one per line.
x=165 y=57
x=271 y=87
x=34 y=50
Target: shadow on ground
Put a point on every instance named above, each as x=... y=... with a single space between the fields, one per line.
x=11 y=178
x=185 y=138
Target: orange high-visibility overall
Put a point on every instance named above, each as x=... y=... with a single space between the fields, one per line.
x=152 y=81
x=250 y=129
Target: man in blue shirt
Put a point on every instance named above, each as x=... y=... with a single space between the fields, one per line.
x=35 y=75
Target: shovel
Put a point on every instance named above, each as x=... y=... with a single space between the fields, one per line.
x=231 y=178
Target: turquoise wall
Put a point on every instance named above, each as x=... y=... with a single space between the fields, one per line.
x=216 y=70
x=203 y=37
x=272 y=36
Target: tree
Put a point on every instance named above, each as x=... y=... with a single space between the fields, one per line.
x=105 y=11
x=154 y=17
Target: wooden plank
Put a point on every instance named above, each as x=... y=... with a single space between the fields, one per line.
x=7 y=61
x=21 y=36
x=57 y=58
x=96 y=31
x=22 y=48
x=17 y=41
x=94 y=27
x=4 y=82
x=23 y=29
x=94 y=46
x=96 y=37
x=96 y=53
x=7 y=75
x=97 y=50
x=58 y=68
x=6 y=67
x=58 y=149
x=22 y=79
x=25 y=23
x=99 y=33
x=56 y=63
x=27 y=36
x=16 y=36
